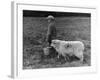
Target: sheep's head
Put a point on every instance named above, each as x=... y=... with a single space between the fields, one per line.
x=55 y=44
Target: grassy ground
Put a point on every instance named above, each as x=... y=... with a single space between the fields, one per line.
x=68 y=28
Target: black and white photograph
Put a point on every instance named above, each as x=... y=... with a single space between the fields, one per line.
x=56 y=39
x=52 y=40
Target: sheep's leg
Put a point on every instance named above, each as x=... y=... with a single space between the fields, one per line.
x=80 y=57
x=58 y=56
x=67 y=57
x=64 y=56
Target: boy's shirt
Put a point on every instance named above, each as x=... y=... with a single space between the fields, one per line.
x=52 y=29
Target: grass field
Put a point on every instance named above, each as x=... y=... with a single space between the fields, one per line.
x=68 y=28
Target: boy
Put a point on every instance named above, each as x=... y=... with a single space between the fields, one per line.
x=51 y=33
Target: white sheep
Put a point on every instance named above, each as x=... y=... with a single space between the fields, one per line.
x=70 y=48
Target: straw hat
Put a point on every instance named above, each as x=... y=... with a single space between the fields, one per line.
x=50 y=17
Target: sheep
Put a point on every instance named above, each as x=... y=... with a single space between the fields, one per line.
x=70 y=48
